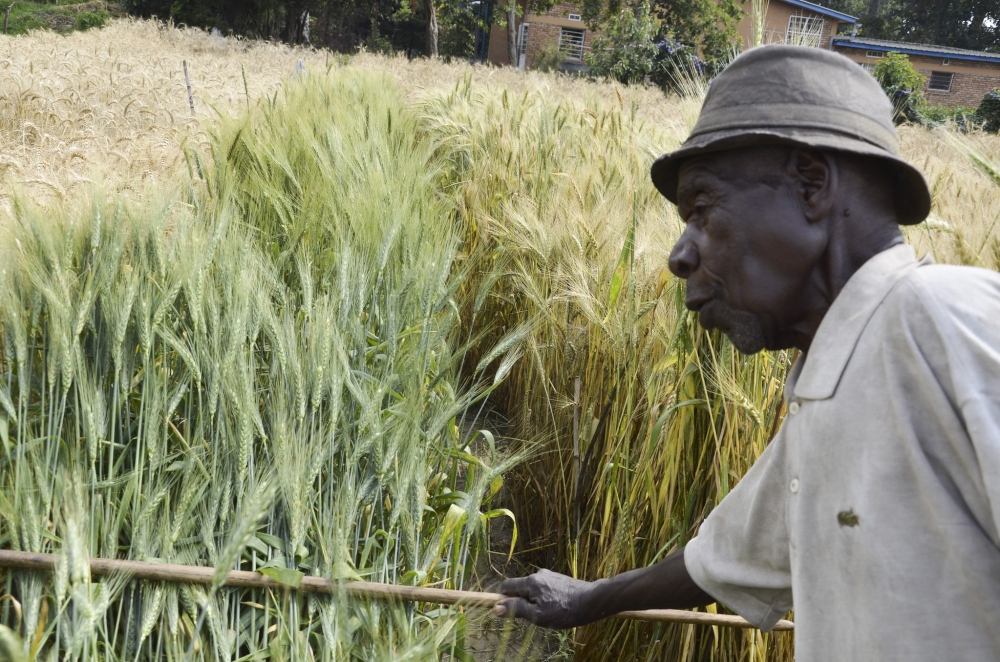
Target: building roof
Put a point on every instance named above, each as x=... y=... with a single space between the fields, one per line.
x=825 y=11
x=915 y=49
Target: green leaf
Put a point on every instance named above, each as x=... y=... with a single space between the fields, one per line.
x=273 y=541
x=286 y=576
x=5 y=435
x=503 y=512
x=342 y=570
x=624 y=267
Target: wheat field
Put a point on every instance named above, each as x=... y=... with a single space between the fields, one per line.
x=256 y=337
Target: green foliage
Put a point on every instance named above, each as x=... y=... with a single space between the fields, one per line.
x=262 y=370
x=548 y=58
x=902 y=84
x=959 y=116
x=457 y=23
x=708 y=26
x=626 y=52
x=988 y=112
x=87 y=19
x=25 y=16
x=972 y=24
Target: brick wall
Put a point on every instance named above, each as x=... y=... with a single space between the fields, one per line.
x=966 y=89
x=544 y=30
x=540 y=35
x=563 y=9
x=971 y=80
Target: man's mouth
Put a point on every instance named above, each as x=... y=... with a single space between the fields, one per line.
x=697 y=303
x=708 y=313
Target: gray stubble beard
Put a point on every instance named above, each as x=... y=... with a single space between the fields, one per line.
x=744 y=330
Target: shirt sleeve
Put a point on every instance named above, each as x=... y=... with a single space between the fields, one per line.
x=740 y=556
x=964 y=309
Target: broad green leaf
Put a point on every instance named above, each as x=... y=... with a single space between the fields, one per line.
x=342 y=570
x=273 y=541
x=286 y=576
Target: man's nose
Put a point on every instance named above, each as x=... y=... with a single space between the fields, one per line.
x=684 y=258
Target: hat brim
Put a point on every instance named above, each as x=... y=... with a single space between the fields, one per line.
x=911 y=194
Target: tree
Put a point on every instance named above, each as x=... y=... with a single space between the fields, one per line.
x=902 y=84
x=972 y=24
x=626 y=51
x=432 y=28
x=707 y=25
x=512 y=31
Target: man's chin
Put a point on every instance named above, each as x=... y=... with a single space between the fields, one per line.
x=745 y=343
x=744 y=330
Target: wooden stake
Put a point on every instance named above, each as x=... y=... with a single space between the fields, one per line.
x=192 y=574
x=576 y=458
x=187 y=81
x=6 y=17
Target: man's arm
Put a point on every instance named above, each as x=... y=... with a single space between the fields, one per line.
x=557 y=601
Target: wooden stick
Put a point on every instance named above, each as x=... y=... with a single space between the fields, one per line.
x=192 y=574
x=576 y=458
x=187 y=81
x=6 y=17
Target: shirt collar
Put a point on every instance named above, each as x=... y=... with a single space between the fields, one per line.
x=817 y=373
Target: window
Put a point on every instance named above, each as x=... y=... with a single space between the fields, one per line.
x=868 y=66
x=875 y=54
x=804 y=31
x=575 y=17
x=571 y=43
x=940 y=81
x=945 y=62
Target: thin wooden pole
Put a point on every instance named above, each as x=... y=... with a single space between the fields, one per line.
x=6 y=18
x=576 y=459
x=192 y=574
x=187 y=81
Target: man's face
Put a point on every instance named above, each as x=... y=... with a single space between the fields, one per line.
x=747 y=251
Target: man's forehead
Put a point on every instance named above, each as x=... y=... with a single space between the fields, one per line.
x=740 y=163
x=703 y=168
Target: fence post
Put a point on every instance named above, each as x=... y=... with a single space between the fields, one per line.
x=187 y=81
x=576 y=455
x=6 y=17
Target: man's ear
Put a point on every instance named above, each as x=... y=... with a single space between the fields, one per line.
x=814 y=173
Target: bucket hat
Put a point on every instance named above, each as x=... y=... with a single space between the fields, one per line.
x=798 y=95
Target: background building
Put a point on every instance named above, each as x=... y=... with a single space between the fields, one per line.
x=561 y=27
x=796 y=22
x=955 y=77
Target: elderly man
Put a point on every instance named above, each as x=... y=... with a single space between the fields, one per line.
x=877 y=505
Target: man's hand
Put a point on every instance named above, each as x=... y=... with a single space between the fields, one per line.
x=556 y=601
x=548 y=599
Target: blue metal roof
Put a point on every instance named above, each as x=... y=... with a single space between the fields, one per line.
x=820 y=9
x=928 y=50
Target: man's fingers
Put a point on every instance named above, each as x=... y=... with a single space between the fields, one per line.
x=517 y=608
x=518 y=586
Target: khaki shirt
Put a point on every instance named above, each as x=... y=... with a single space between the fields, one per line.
x=878 y=503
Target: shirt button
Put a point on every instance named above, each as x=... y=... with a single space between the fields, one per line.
x=794 y=485
x=793 y=408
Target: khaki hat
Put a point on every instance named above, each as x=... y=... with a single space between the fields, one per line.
x=798 y=95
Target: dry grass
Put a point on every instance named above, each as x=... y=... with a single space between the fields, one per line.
x=111 y=104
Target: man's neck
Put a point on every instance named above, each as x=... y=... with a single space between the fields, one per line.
x=847 y=252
